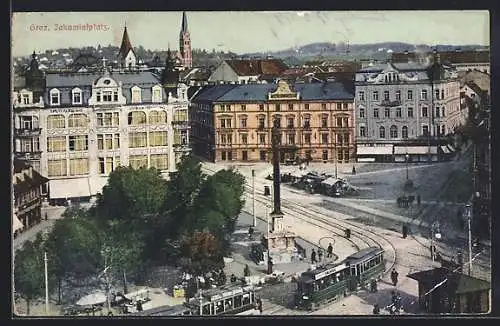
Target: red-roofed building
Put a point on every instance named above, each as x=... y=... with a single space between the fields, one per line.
x=243 y=71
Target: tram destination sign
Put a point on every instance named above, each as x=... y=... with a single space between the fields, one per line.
x=330 y=271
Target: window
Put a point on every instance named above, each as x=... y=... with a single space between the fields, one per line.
x=340 y=156
x=138 y=161
x=425 y=130
x=106 y=96
x=77 y=120
x=443 y=129
x=361 y=96
x=116 y=141
x=442 y=94
x=325 y=155
x=137 y=139
x=159 y=161
x=339 y=122
x=394 y=132
x=306 y=106
x=442 y=111
x=437 y=112
x=398 y=112
x=307 y=139
x=423 y=94
x=437 y=94
x=115 y=96
x=323 y=106
x=398 y=95
x=345 y=122
x=339 y=106
x=386 y=95
x=277 y=107
x=346 y=138
x=56 y=168
x=404 y=132
x=157 y=117
x=98 y=96
x=261 y=107
x=307 y=122
x=424 y=112
x=244 y=157
x=375 y=112
x=108 y=164
x=108 y=119
x=261 y=122
x=56 y=144
x=244 y=139
x=158 y=138
x=243 y=122
x=346 y=156
x=26 y=99
x=375 y=96
x=382 y=132
x=324 y=121
x=290 y=107
x=340 y=140
x=410 y=95
x=345 y=106
x=156 y=94
x=291 y=139
x=136 y=118
x=262 y=139
x=277 y=121
x=362 y=131
x=324 y=139
x=387 y=112
x=56 y=121
x=290 y=123
x=136 y=95
x=361 y=113
x=77 y=96
x=78 y=143
x=180 y=115
x=410 y=112
x=228 y=108
x=55 y=97
x=78 y=166
x=243 y=107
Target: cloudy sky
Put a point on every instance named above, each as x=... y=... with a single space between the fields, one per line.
x=256 y=31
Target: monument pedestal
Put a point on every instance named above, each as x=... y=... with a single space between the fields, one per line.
x=280 y=243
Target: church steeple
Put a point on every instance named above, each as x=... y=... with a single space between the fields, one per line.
x=170 y=76
x=185 y=43
x=35 y=79
x=126 y=54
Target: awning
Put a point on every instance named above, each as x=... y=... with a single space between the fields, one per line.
x=69 y=188
x=16 y=224
x=96 y=184
x=445 y=150
x=419 y=150
x=451 y=148
x=330 y=181
x=374 y=150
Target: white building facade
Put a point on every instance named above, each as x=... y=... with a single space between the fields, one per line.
x=88 y=124
x=398 y=105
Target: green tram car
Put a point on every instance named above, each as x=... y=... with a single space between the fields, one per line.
x=330 y=282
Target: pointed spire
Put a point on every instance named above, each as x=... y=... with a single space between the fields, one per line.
x=184 y=26
x=126 y=46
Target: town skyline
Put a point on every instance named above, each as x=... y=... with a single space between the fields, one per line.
x=268 y=32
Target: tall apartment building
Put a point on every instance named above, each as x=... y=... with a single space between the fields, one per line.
x=84 y=125
x=406 y=108
x=233 y=122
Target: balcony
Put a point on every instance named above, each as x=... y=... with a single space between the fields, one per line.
x=28 y=156
x=181 y=125
x=30 y=205
x=290 y=127
x=25 y=132
x=261 y=127
x=390 y=103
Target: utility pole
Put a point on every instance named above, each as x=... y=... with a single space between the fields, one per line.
x=432 y=241
x=106 y=267
x=46 y=284
x=468 y=212
x=407 y=159
x=336 y=158
x=253 y=199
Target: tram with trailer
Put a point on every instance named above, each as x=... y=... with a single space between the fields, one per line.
x=232 y=300
x=330 y=282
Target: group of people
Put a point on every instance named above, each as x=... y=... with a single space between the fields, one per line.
x=329 y=254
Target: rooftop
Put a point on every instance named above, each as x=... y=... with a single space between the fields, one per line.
x=254 y=67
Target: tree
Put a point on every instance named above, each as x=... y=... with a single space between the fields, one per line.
x=201 y=253
x=29 y=271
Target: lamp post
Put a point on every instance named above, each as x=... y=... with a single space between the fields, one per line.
x=336 y=158
x=468 y=215
x=253 y=199
x=46 y=284
x=407 y=159
x=434 y=228
x=106 y=267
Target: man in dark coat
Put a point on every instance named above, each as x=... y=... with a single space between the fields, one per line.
x=269 y=266
x=329 y=251
x=313 y=257
x=394 y=277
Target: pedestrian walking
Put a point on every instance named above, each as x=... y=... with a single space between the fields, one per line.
x=405 y=231
x=376 y=309
x=329 y=251
x=320 y=255
x=353 y=170
x=259 y=305
x=269 y=266
x=46 y=216
x=250 y=232
x=313 y=257
x=394 y=277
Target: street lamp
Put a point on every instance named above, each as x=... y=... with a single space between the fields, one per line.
x=253 y=199
x=105 y=272
x=468 y=216
x=407 y=157
x=434 y=228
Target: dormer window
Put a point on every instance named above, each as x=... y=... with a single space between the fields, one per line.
x=156 y=94
x=26 y=99
x=136 y=94
x=106 y=96
x=98 y=96
x=55 y=97
x=76 y=95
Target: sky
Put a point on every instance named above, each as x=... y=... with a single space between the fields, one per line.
x=248 y=31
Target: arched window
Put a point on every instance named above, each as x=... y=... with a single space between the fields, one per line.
x=136 y=94
x=56 y=121
x=76 y=96
x=158 y=117
x=404 y=132
x=382 y=132
x=394 y=132
x=137 y=118
x=55 y=97
x=77 y=120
